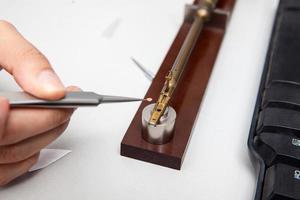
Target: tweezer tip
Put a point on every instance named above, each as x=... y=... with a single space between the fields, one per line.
x=116 y=99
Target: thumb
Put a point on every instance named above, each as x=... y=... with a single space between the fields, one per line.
x=29 y=67
x=4 y=110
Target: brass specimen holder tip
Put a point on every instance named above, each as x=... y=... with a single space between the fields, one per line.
x=201 y=14
x=164 y=142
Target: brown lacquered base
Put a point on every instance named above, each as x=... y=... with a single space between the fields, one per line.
x=187 y=97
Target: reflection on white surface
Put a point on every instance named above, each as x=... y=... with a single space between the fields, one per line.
x=111 y=29
x=147 y=73
x=216 y=166
x=47 y=157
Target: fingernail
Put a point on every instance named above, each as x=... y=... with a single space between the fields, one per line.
x=50 y=81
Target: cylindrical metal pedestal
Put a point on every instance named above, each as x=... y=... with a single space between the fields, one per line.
x=163 y=131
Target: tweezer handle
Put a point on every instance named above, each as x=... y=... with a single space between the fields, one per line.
x=71 y=99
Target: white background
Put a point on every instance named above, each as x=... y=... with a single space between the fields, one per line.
x=89 y=43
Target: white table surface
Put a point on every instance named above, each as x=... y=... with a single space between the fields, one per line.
x=89 y=43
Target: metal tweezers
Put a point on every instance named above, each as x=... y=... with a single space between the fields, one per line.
x=71 y=99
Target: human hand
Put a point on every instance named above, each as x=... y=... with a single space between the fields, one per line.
x=25 y=131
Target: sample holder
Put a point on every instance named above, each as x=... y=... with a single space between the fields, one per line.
x=188 y=95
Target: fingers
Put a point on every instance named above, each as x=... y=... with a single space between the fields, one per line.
x=30 y=68
x=24 y=132
x=73 y=88
x=8 y=172
x=26 y=148
x=18 y=155
x=25 y=123
x=4 y=109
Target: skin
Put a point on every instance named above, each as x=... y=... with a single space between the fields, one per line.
x=24 y=132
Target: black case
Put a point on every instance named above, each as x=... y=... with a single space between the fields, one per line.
x=285 y=6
